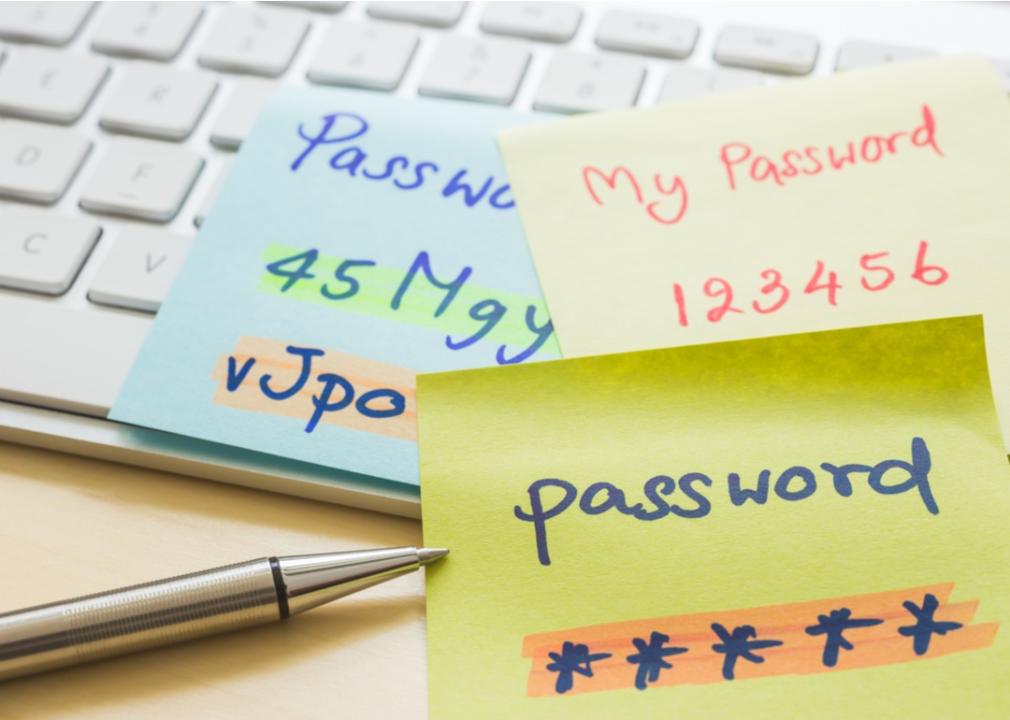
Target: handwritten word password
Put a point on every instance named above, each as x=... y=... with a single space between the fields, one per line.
x=796 y=639
x=814 y=160
x=419 y=295
x=279 y=378
x=550 y=497
x=404 y=173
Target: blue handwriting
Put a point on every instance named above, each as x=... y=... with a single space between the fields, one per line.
x=573 y=658
x=340 y=128
x=794 y=484
x=487 y=312
x=377 y=404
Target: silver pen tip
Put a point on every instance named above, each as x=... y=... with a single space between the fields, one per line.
x=426 y=556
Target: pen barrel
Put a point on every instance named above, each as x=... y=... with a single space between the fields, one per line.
x=137 y=618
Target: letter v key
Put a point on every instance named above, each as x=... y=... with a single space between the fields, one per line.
x=139 y=269
x=151 y=265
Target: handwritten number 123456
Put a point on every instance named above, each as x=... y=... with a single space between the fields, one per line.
x=877 y=274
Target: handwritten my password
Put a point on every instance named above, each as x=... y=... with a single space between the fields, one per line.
x=664 y=199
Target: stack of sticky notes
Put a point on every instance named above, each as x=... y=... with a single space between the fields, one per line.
x=768 y=480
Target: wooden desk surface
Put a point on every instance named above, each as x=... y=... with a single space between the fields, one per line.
x=70 y=526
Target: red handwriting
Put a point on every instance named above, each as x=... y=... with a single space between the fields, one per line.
x=740 y=162
x=775 y=293
x=660 y=210
x=665 y=199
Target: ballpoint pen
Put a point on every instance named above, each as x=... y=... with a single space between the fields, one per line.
x=190 y=606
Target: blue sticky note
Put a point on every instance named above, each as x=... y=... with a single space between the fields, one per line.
x=359 y=240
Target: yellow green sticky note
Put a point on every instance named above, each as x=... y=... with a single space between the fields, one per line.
x=811 y=525
x=870 y=196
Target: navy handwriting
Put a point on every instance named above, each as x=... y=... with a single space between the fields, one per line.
x=651 y=658
x=742 y=642
x=792 y=485
x=925 y=625
x=421 y=280
x=573 y=658
x=831 y=626
x=335 y=391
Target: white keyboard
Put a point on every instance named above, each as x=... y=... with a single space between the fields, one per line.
x=118 y=121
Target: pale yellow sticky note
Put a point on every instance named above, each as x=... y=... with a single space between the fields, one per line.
x=870 y=196
x=840 y=498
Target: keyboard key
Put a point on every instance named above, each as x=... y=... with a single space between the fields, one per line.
x=141 y=179
x=76 y=361
x=371 y=55
x=37 y=162
x=42 y=251
x=139 y=269
x=583 y=82
x=1002 y=68
x=211 y=196
x=852 y=55
x=257 y=40
x=157 y=101
x=317 y=5
x=49 y=23
x=152 y=30
x=685 y=82
x=548 y=21
x=49 y=85
x=647 y=33
x=475 y=69
x=234 y=122
x=433 y=14
x=771 y=50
